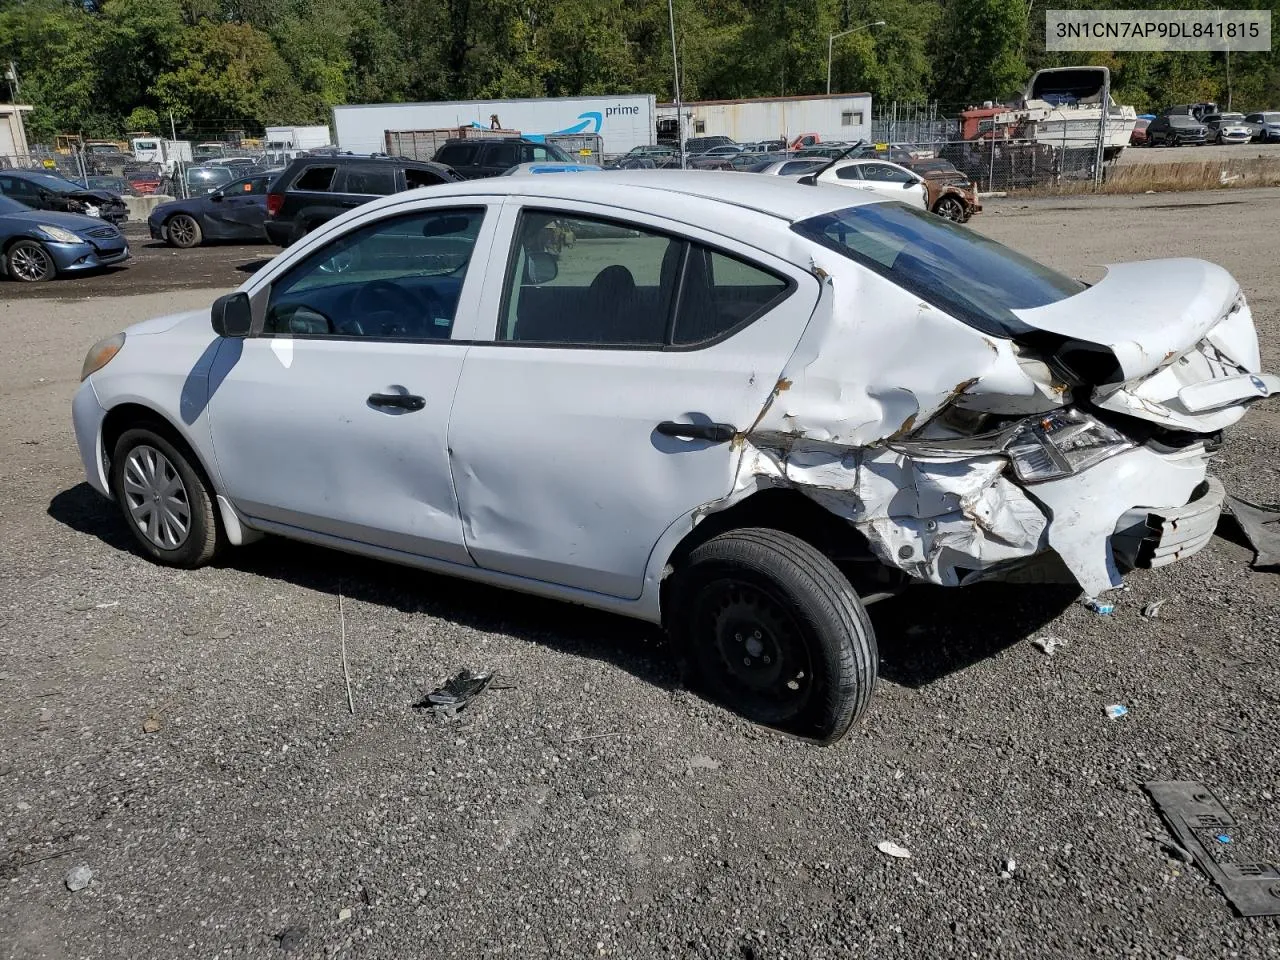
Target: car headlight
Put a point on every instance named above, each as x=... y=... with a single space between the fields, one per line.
x=58 y=234
x=1061 y=443
x=100 y=354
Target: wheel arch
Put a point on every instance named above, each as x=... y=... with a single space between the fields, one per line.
x=130 y=414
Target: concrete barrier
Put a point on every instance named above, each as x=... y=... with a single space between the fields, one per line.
x=140 y=207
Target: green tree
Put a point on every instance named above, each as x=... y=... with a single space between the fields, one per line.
x=224 y=72
x=979 y=53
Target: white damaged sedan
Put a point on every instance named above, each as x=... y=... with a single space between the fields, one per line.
x=736 y=406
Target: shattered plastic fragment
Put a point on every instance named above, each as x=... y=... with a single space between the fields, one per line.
x=454 y=695
x=1152 y=609
x=1260 y=524
x=1099 y=606
x=1116 y=710
x=889 y=848
x=1049 y=645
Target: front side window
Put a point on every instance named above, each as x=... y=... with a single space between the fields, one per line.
x=315 y=179
x=976 y=280
x=397 y=279
x=588 y=282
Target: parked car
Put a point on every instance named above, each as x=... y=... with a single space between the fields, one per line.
x=46 y=191
x=313 y=190
x=796 y=167
x=234 y=212
x=1175 y=130
x=552 y=167
x=1265 y=125
x=117 y=186
x=41 y=244
x=828 y=148
x=879 y=177
x=1196 y=110
x=206 y=179
x=485 y=157
x=144 y=182
x=1138 y=136
x=650 y=151
x=1227 y=128
x=951 y=194
x=862 y=395
x=697 y=145
x=723 y=150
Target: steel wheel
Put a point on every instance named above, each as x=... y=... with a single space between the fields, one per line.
x=157 y=498
x=183 y=231
x=951 y=208
x=30 y=262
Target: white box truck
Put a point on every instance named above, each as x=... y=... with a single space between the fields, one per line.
x=297 y=138
x=167 y=153
x=622 y=122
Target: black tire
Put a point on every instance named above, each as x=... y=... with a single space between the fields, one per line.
x=202 y=537
x=183 y=231
x=809 y=659
x=29 y=262
x=952 y=208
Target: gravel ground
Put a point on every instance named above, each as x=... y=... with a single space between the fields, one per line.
x=595 y=808
x=1212 y=151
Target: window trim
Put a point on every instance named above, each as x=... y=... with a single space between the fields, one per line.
x=673 y=309
x=259 y=332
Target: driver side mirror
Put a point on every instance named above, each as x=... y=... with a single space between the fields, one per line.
x=232 y=316
x=911 y=183
x=216 y=196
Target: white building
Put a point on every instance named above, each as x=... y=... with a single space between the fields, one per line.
x=845 y=116
x=13 y=135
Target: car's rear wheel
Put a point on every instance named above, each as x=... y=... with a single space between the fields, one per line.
x=30 y=262
x=183 y=231
x=950 y=207
x=165 y=501
x=774 y=631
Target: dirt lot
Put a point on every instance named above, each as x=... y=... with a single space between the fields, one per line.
x=1212 y=151
x=595 y=808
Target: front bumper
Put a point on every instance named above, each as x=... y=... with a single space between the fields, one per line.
x=157 y=230
x=73 y=257
x=1241 y=136
x=1158 y=538
x=278 y=232
x=87 y=416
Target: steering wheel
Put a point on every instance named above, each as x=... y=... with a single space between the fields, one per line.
x=389 y=306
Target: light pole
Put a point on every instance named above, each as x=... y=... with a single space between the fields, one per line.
x=844 y=33
x=675 y=76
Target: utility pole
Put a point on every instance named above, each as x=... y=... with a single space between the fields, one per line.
x=675 y=76
x=12 y=76
x=844 y=33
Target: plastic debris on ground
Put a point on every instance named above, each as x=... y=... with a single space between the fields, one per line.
x=1195 y=818
x=1116 y=710
x=1048 y=645
x=891 y=849
x=453 y=696
x=78 y=878
x=1152 y=609
x=1098 y=606
x=1260 y=524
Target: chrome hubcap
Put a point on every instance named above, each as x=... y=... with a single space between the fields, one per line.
x=157 y=498
x=182 y=230
x=29 y=263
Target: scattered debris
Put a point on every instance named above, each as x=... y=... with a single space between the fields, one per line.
x=344 y=914
x=151 y=725
x=1116 y=710
x=1098 y=606
x=1048 y=645
x=699 y=762
x=346 y=674
x=1260 y=524
x=1152 y=609
x=290 y=938
x=891 y=849
x=1177 y=851
x=1189 y=808
x=1009 y=867
x=454 y=695
x=104 y=606
x=78 y=878
x=1224 y=178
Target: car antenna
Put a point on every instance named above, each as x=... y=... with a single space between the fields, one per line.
x=811 y=179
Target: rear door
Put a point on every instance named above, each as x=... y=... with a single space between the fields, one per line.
x=621 y=356
x=498 y=157
x=894 y=183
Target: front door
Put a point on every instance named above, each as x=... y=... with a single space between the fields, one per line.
x=622 y=356
x=239 y=212
x=894 y=183
x=333 y=418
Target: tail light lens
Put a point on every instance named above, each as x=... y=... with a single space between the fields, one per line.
x=274 y=202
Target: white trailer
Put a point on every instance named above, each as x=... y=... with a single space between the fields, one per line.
x=167 y=153
x=622 y=122
x=297 y=138
x=845 y=116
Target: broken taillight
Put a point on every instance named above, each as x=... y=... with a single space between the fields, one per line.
x=274 y=202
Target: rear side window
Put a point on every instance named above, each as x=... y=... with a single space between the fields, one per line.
x=413 y=177
x=797 y=166
x=849 y=173
x=456 y=154
x=719 y=293
x=315 y=179
x=502 y=155
x=375 y=180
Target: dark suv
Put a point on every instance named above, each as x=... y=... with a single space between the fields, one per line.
x=1176 y=129
x=314 y=190
x=494 y=156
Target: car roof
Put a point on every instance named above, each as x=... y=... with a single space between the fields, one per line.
x=772 y=196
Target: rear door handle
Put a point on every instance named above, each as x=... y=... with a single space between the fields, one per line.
x=714 y=432
x=400 y=401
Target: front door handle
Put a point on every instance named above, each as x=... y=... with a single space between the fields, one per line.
x=400 y=401
x=714 y=432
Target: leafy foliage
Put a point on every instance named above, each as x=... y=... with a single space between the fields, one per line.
x=104 y=67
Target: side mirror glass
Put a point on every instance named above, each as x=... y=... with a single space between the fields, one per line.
x=911 y=183
x=215 y=196
x=540 y=267
x=231 y=315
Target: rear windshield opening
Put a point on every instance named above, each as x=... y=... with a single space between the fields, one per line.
x=976 y=280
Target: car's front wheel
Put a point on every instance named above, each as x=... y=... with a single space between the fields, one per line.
x=774 y=631
x=183 y=231
x=165 y=501
x=29 y=262
x=950 y=207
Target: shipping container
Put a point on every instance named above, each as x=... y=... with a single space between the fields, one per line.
x=622 y=122
x=423 y=144
x=844 y=116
